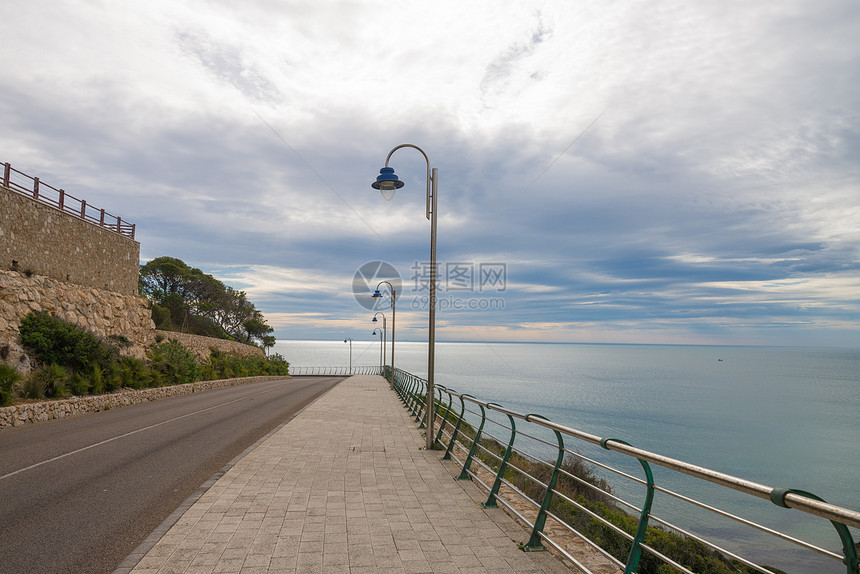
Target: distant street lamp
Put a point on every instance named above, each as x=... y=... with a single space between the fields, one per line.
x=388 y=183
x=384 y=333
x=350 y=353
x=381 y=333
x=392 y=295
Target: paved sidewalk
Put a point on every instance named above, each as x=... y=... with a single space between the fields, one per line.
x=343 y=487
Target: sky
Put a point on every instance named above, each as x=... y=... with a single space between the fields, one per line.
x=668 y=172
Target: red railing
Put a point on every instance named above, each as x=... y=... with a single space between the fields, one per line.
x=44 y=193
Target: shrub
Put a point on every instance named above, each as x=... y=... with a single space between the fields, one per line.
x=134 y=373
x=97 y=382
x=79 y=384
x=113 y=377
x=56 y=341
x=49 y=381
x=173 y=363
x=9 y=377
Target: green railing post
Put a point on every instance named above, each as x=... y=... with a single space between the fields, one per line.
x=491 y=500
x=456 y=428
x=410 y=392
x=849 y=550
x=421 y=399
x=534 y=542
x=464 y=474
x=416 y=397
x=642 y=527
x=447 y=411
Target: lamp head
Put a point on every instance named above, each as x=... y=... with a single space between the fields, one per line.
x=376 y=294
x=374 y=320
x=387 y=183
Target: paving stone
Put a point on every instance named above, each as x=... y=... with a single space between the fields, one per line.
x=344 y=487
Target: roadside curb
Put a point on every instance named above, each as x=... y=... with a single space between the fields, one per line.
x=27 y=413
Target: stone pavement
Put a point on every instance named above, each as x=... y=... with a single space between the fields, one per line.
x=345 y=486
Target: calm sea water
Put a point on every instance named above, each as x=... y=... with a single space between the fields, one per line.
x=784 y=417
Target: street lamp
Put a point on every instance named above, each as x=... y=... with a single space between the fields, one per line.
x=388 y=183
x=392 y=295
x=350 y=353
x=384 y=333
x=381 y=333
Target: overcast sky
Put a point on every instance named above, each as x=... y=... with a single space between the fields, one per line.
x=620 y=172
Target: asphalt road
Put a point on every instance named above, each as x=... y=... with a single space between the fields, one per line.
x=80 y=494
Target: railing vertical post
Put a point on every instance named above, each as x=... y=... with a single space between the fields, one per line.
x=491 y=500
x=534 y=542
x=447 y=412
x=133 y=225
x=83 y=209
x=413 y=386
x=62 y=200
x=642 y=527
x=464 y=474
x=456 y=429
x=849 y=550
x=7 y=173
x=119 y=224
x=413 y=394
x=102 y=218
x=35 y=188
x=421 y=405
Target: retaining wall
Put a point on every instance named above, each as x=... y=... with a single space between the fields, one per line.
x=42 y=240
x=102 y=312
x=201 y=346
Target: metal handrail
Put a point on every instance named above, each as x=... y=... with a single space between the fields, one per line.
x=336 y=371
x=412 y=391
x=40 y=191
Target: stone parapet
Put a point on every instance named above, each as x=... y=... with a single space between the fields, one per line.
x=18 y=415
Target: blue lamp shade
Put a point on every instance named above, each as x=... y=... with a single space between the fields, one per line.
x=374 y=320
x=376 y=294
x=387 y=183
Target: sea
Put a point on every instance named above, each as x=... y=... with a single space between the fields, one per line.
x=780 y=416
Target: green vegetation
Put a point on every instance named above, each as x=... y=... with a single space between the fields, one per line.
x=691 y=553
x=53 y=340
x=76 y=362
x=9 y=377
x=185 y=299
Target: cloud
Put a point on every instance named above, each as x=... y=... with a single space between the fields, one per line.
x=664 y=171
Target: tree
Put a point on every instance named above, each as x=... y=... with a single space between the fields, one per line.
x=185 y=298
x=268 y=342
x=163 y=276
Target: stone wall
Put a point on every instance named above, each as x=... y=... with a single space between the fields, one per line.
x=200 y=345
x=25 y=413
x=99 y=311
x=42 y=240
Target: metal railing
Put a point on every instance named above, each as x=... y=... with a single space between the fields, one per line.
x=497 y=460
x=32 y=187
x=335 y=371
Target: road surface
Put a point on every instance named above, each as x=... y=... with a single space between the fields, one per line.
x=80 y=494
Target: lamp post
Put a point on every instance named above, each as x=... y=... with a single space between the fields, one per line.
x=381 y=334
x=387 y=183
x=350 y=353
x=384 y=335
x=392 y=295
